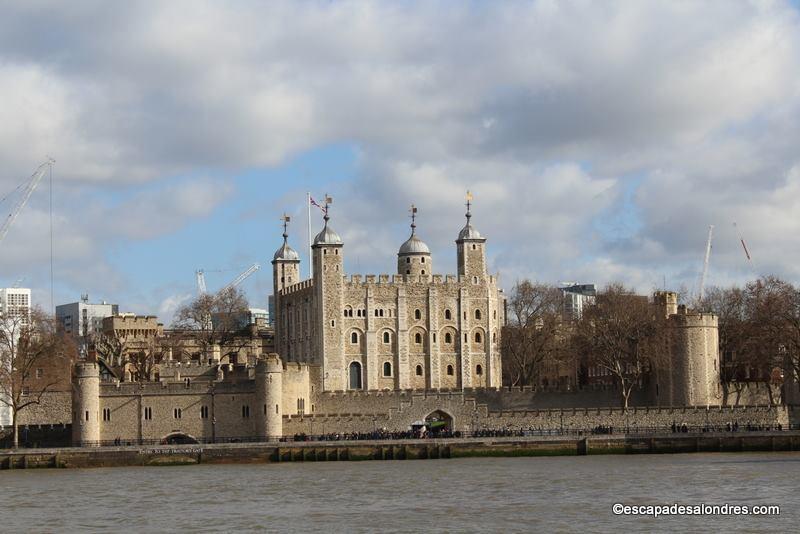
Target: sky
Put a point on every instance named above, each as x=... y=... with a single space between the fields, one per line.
x=599 y=139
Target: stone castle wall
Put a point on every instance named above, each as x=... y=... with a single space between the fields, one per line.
x=397 y=411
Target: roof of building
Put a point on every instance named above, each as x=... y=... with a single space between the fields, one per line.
x=414 y=245
x=327 y=236
x=286 y=253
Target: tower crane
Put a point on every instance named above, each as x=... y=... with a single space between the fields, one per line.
x=201 y=279
x=702 y=286
x=241 y=278
x=29 y=187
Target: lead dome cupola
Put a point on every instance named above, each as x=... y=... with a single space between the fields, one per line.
x=469 y=233
x=285 y=252
x=413 y=245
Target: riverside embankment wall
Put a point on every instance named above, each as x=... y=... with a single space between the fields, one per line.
x=396 y=449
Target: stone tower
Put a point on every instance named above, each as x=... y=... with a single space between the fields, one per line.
x=666 y=301
x=285 y=272
x=269 y=398
x=328 y=295
x=86 y=405
x=414 y=256
x=471 y=247
x=691 y=376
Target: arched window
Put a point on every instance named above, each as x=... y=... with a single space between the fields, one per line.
x=448 y=338
x=355 y=375
x=381 y=314
x=494 y=337
x=423 y=271
x=408 y=260
x=417 y=314
x=474 y=247
x=386 y=337
x=478 y=314
x=422 y=260
x=408 y=271
x=478 y=370
x=449 y=370
x=387 y=369
x=418 y=338
x=354 y=337
x=419 y=370
x=448 y=315
x=477 y=337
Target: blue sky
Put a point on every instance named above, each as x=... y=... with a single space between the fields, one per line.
x=599 y=139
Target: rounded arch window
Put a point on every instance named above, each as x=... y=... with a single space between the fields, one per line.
x=423 y=271
x=417 y=314
x=477 y=314
x=449 y=370
x=418 y=338
x=448 y=338
x=419 y=370
x=422 y=259
x=408 y=271
x=387 y=369
x=478 y=337
x=408 y=260
x=474 y=246
x=448 y=314
x=354 y=337
x=355 y=375
x=386 y=337
x=478 y=370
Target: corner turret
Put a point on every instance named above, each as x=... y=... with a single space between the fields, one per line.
x=471 y=248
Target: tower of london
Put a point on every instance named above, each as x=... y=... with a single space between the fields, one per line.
x=410 y=330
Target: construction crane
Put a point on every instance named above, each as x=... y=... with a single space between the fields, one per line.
x=29 y=187
x=201 y=279
x=702 y=286
x=241 y=278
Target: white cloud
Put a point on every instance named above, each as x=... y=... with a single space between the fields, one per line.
x=548 y=111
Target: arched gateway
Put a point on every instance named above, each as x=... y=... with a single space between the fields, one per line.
x=439 y=421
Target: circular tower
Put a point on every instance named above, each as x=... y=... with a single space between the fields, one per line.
x=269 y=395
x=86 y=405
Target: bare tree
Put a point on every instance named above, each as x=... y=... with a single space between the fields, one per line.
x=215 y=319
x=142 y=360
x=622 y=336
x=728 y=304
x=531 y=336
x=765 y=346
x=113 y=349
x=791 y=325
x=27 y=344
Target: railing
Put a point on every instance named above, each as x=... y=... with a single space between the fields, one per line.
x=476 y=434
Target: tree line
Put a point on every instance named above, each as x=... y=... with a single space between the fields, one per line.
x=622 y=338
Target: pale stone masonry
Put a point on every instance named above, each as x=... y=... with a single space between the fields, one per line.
x=411 y=330
x=356 y=353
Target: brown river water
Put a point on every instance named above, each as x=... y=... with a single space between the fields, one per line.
x=546 y=494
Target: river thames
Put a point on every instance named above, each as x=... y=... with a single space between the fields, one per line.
x=461 y=495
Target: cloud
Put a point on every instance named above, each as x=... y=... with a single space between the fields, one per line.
x=560 y=116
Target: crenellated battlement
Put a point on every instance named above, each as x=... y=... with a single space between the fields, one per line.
x=361 y=281
x=300 y=286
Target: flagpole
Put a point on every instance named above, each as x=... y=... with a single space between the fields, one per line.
x=308 y=208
